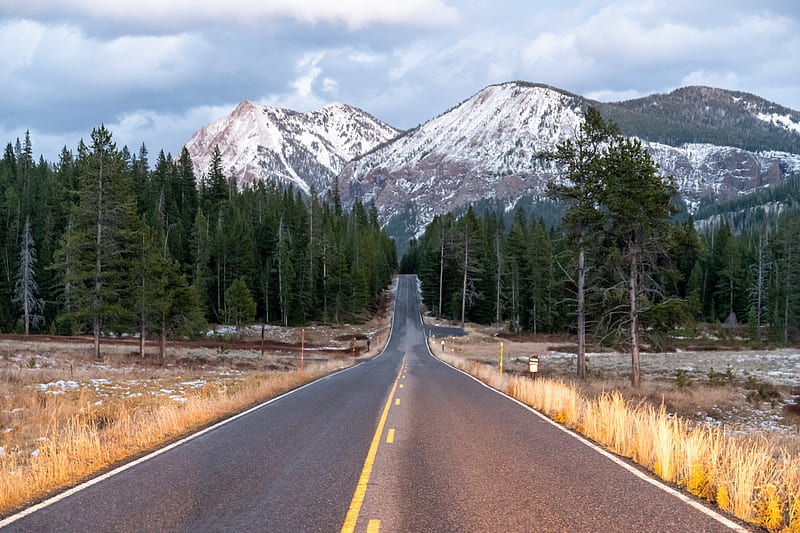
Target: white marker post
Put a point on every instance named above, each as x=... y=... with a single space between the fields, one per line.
x=533 y=366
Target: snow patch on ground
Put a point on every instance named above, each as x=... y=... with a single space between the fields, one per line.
x=58 y=387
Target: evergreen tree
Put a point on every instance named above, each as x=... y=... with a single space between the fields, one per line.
x=119 y=239
x=239 y=304
x=104 y=224
x=578 y=161
x=26 y=289
x=636 y=210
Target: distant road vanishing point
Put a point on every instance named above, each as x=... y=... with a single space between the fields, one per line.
x=401 y=442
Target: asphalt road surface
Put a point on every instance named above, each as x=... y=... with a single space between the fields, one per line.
x=400 y=443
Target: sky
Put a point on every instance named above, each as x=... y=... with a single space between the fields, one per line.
x=156 y=71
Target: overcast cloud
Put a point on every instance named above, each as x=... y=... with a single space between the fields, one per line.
x=155 y=71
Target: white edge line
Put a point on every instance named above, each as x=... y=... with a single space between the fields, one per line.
x=666 y=488
x=394 y=314
x=86 y=484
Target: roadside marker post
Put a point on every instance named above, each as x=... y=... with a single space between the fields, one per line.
x=302 y=351
x=501 y=359
x=533 y=366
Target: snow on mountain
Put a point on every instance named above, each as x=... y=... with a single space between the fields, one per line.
x=486 y=147
x=710 y=171
x=776 y=119
x=262 y=143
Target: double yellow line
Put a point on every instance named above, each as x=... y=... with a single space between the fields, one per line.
x=361 y=488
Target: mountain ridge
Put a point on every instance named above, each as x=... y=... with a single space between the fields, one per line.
x=448 y=162
x=263 y=143
x=487 y=146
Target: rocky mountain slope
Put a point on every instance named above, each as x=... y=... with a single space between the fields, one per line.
x=259 y=142
x=717 y=144
x=486 y=148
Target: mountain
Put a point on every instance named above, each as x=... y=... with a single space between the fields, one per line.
x=752 y=209
x=691 y=115
x=259 y=142
x=486 y=147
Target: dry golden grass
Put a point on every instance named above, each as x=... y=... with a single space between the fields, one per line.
x=78 y=437
x=65 y=415
x=755 y=478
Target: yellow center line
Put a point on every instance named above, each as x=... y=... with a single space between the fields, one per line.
x=374 y=526
x=401 y=385
x=390 y=436
x=397 y=401
x=361 y=488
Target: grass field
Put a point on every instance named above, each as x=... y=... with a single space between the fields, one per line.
x=745 y=391
x=65 y=415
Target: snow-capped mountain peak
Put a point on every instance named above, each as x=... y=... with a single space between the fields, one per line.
x=486 y=148
x=259 y=142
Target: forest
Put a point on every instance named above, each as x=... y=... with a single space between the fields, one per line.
x=100 y=243
x=621 y=254
x=519 y=276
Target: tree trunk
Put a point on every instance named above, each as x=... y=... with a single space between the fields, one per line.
x=497 y=293
x=98 y=282
x=464 y=286
x=786 y=299
x=162 y=340
x=759 y=289
x=96 y=333
x=581 y=315
x=142 y=343
x=441 y=277
x=634 y=334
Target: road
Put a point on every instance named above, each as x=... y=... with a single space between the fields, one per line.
x=401 y=443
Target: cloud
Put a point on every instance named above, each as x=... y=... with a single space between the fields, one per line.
x=156 y=130
x=155 y=71
x=61 y=62
x=301 y=94
x=176 y=14
x=614 y=96
x=637 y=47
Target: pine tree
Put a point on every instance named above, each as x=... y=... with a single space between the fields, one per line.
x=216 y=186
x=636 y=210
x=26 y=289
x=758 y=291
x=285 y=271
x=239 y=304
x=103 y=233
x=578 y=161
x=469 y=239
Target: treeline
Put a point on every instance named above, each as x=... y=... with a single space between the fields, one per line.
x=512 y=275
x=519 y=275
x=753 y=276
x=100 y=242
x=619 y=264
x=753 y=209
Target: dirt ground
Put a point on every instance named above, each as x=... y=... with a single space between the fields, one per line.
x=252 y=347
